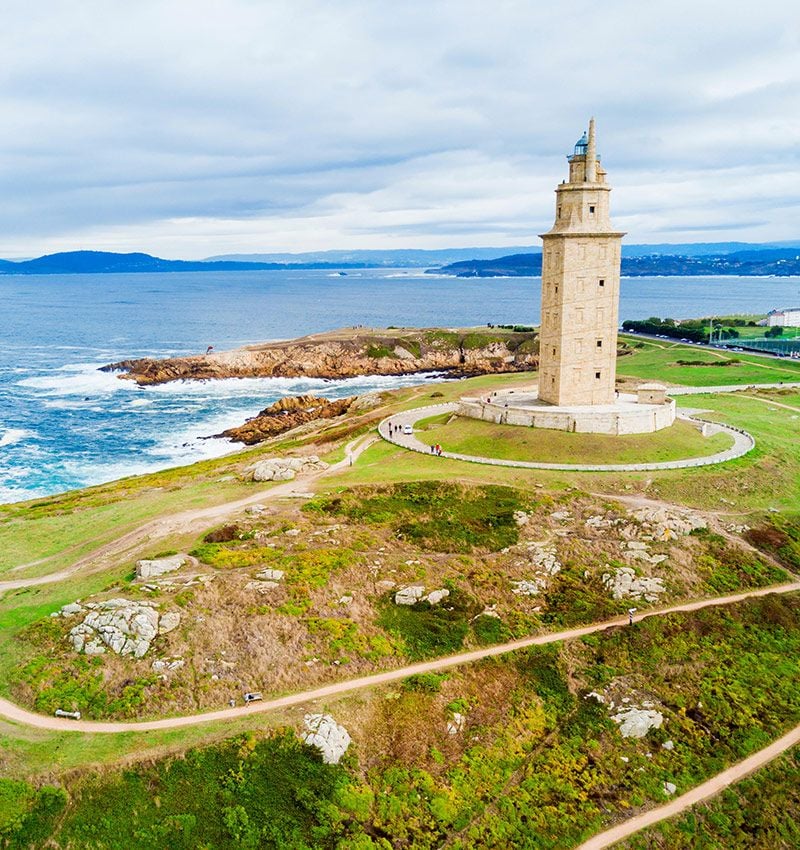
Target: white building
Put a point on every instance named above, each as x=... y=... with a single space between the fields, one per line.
x=788 y=318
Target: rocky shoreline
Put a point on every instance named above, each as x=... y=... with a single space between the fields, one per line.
x=349 y=353
x=292 y=411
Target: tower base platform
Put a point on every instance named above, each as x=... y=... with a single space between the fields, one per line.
x=627 y=415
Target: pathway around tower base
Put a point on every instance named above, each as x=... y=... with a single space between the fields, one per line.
x=742 y=444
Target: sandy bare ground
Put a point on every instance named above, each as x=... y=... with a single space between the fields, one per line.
x=10 y=711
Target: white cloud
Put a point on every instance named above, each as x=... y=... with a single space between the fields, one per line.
x=193 y=128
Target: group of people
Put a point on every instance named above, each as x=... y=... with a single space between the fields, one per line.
x=394 y=429
x=436 y=450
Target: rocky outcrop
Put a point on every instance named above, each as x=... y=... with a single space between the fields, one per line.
x=666 y=523
x=159 y=566
x=416 y=593
x=623 y=583
x=347 y=353
x=285 y=468
x=637 y=722
x=324 y=733
x=124 y=626
x=285 y=414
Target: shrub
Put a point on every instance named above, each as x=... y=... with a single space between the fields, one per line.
x=430 y=630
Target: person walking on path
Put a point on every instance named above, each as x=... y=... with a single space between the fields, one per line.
x=631 y=612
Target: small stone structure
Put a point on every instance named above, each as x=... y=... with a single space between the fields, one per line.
x=652 y=393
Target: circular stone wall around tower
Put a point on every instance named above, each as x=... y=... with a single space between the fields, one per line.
x=628 y=415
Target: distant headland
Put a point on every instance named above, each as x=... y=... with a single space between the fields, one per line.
x=707 y=258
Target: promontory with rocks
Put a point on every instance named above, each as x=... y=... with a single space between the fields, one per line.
x=349 y=352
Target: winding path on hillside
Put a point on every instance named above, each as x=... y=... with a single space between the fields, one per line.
x=157 y=528
x=184 y=521
x=388 y=429
x=10 y=711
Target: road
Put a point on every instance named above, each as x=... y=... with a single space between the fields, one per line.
x=10 y=711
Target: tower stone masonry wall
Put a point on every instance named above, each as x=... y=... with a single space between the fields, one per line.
x=580 y=289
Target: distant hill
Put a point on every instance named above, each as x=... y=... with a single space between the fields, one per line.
x=104 y=262
x=690 y=259
x=783 y=262
x=395 y=258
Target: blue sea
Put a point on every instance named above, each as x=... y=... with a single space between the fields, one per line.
x=64 y=424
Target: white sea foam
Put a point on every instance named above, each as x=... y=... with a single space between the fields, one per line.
x=15 y=435
x=82 y=379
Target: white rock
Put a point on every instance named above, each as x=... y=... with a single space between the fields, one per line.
x=625 y=584
x=637 y=722
x=270 y=575
x=594 y=695
x=521 y=518
x=70 y=609
x=670 y=788
x=409 y=595
x=169 y=622
x=158 y=566
x=324 y=733
x=436 y=596
x=456 y=723
x=668 y=745
x=526 y=587
x=285 y=468
x=292 y=532
x=347 y=599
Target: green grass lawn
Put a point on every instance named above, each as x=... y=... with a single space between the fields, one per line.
x=659 y=361
x=509 y=442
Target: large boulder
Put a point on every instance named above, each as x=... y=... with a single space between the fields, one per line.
x=150 y=568
x=637 y=722
x=324 y=733
x=286 y=468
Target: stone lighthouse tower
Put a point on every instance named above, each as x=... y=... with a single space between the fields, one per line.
x=580 y=288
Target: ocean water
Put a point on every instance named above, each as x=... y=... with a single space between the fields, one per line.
x=64 y=424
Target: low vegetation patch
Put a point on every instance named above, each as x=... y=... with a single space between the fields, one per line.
x=428 y=630
x=440 y=516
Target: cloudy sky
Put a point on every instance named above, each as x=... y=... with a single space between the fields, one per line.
x=188 y=128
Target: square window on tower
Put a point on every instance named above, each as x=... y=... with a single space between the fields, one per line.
x=591 y=209
x=597 y=375
x=601 y=283
x=599 y=343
